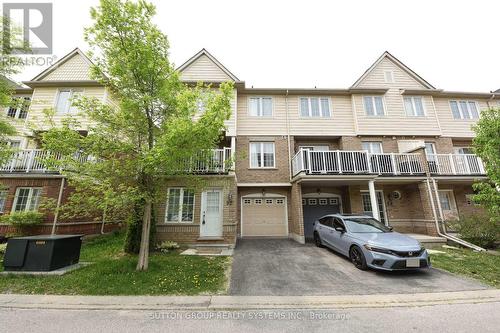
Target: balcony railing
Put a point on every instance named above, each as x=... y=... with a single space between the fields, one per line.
x=356 y=162
x=27 y=160
x=455 y=164
x=31 y=160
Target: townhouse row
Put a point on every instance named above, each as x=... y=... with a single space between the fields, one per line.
x=391 y=145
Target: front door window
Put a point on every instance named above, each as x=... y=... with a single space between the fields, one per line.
x=367 y=205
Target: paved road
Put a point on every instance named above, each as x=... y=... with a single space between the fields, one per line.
x=443 y=318
x=284 y=267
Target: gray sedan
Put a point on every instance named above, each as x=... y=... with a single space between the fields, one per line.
x=369 y=243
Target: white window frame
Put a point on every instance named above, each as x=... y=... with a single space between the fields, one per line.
x=260 y=112
x=433 y=153
x=19 y=107
x=28 y=201
x=3 y=199
x=462 y=112
x=371 y=144
x=181 y=205
x=309 y=108
x=413 y=112
x=384 y=206
x=376 y=112
x=391 y=76
x=262 y=154
x=69 y=109
x=451 y=200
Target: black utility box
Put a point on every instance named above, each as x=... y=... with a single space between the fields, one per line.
x=42 y=253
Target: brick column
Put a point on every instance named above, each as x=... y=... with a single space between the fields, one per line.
x=296 y=229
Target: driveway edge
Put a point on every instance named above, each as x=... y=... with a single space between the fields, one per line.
x=228 y=303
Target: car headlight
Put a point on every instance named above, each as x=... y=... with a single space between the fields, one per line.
x=377 y=249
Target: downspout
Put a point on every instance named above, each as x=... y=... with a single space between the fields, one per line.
x=288 y=137
x=444 y=234
x=56 y=214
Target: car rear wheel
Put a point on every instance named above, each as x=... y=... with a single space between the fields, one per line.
x=357 y=258
x=317 y=240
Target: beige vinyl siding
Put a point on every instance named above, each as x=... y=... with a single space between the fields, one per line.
x=339 y=123
x=402 y=80
x=251 y=125
x=395 y=121
x=451 y=127
x=74 y=69
x=204 y=69
x=45 y=98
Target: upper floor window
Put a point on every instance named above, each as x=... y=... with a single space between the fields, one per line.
x=389 y=76
x=260 y=106
x=19 y=108
x=414 y=106
x=180 y=205
x=374 y=105
x=14 y=144
x=464 y=109
x=65 y=98
x=262 y=155
x=27 y=198
x=374 y=147
x=315 y=107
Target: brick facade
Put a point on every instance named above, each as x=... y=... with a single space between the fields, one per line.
x=279 y=174
x=189 y=233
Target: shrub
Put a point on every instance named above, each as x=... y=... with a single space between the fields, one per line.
x=3 y=248
x=23 y=221
x=479 y=230
x=167 y=246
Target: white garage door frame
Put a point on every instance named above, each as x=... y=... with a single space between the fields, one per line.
x=266 y=196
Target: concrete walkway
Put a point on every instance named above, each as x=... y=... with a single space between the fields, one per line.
x=14 y=301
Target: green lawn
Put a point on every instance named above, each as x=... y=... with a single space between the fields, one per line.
x=478 y=265
x=113 y=273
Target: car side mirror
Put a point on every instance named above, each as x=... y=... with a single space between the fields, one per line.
x=339 y=229
x=391 y=228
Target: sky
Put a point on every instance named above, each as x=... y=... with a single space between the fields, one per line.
x=454 y=45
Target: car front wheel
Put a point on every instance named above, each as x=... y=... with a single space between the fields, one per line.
x=317 y=240
x=358 y=258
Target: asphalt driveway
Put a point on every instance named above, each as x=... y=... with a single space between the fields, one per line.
x=284 y=267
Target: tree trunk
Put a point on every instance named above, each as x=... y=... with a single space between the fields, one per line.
x=142 y=264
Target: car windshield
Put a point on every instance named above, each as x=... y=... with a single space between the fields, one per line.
x=364 y=225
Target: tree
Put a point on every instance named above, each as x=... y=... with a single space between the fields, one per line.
x=487 y=146
x=153 y=130
x=8 y=67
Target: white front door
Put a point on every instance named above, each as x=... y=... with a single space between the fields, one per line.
x=211 y=213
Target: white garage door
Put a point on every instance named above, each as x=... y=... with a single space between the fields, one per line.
x=264 y=216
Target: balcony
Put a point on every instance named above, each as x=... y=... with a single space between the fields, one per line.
x=213 y=161
x=389 y=164
x=455 y=164
x=356 y=162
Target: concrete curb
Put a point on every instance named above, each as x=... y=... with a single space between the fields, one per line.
x=244 y=302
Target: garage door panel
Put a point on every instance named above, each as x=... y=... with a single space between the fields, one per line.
x=314 y=208
x=264 y=217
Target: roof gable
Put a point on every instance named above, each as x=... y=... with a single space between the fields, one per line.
x=404 y=77
x=205 y=67
x=75 y=66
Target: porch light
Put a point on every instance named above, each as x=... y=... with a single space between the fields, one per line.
x=230 y=198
